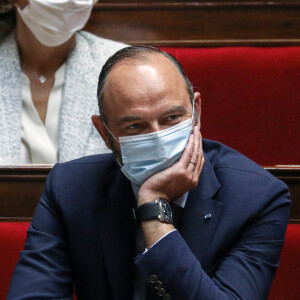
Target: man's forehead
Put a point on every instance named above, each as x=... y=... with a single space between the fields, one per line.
x=143 y=87
x=153 y=68
x=156 y=61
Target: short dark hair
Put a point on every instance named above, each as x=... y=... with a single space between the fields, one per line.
x=140 y=53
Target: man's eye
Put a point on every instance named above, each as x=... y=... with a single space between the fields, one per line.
x=173 y=117
x=133 y=126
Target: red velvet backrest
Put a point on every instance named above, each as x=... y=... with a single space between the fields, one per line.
x=285 y=286
x=250 y=98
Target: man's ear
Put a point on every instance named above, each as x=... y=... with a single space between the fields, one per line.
x=197 y=106
x=99 y=125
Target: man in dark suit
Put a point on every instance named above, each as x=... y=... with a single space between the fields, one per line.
x=224 y=238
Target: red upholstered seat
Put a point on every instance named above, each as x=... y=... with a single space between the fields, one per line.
x=12 y=239
x=285 y=286
x=287 y=278
x=250 y=98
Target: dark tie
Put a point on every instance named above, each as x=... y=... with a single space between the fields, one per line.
x=139 y=282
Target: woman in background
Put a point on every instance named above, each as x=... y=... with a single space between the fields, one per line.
x=48 y=82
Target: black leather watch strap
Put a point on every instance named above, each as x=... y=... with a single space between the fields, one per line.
x=147 y=211
x=156 y=210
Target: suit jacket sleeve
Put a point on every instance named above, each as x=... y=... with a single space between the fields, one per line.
x=245 y=272
x=43 y=270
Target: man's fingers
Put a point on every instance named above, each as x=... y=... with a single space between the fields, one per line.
x=188 y=152
x=199 y=166
x=200 y=144
x=201 y=156
x=195 y=156
x=200 y=161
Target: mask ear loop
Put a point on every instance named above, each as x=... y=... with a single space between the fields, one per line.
x=110 y=132
x=120 y=165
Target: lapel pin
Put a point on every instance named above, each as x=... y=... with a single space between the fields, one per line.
x=207 y=216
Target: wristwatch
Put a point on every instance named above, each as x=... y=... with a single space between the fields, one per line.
x=159 y=209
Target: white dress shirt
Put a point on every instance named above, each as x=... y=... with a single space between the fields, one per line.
x=39 y=141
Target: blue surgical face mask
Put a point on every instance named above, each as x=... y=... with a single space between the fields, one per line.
x=147 y=154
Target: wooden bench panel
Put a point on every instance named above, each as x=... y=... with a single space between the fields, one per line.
x=21 y=187
x=20 y=190
x=198 y=23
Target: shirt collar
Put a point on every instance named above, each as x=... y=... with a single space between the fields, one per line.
x=180 y=201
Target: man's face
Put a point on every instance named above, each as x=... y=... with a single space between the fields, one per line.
x=144 y=97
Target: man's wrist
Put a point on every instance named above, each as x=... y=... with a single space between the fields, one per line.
x=150 y=196
x=154 y=230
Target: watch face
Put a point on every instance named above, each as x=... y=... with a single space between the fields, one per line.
x=165 y=210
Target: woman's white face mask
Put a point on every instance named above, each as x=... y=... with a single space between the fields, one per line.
x=53 y=22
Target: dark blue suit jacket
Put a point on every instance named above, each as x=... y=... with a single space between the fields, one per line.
x=82 y=233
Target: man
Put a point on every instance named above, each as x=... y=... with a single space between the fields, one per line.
x=229 y=233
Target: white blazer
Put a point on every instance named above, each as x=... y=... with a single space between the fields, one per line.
x=77 y=134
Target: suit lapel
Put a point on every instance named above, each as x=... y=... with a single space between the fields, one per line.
x=117 y=232
x=197 y=230
x=10 y=102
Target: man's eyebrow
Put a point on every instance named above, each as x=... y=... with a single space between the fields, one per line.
x=176 y=109
x=129 y=119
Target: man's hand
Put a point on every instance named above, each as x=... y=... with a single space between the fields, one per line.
x=183 y=176
x=171 y=183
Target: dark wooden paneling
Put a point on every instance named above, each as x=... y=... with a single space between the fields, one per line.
x=291 y=176
x=20 y=190
x=21 y=187
x=198 y=23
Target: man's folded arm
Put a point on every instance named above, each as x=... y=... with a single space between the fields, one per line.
x=43 y=269
x=245 y=272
